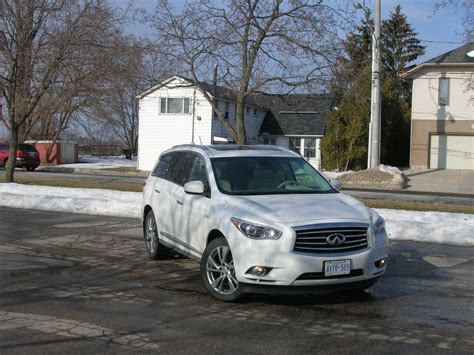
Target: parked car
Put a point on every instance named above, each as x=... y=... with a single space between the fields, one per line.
x=26 y=156
x=260 y=219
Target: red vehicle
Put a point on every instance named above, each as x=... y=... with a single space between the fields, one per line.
x=26 y=156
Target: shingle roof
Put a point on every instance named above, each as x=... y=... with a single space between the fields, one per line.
x=456 y=56
x=287 y=114
x=294 y=114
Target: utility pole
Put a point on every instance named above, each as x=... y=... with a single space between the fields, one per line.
x=374 y=127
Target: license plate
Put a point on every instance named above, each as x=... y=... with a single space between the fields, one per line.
x=337 y=267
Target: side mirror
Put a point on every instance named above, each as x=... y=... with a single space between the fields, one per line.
x=194 y=188
x=336 y=183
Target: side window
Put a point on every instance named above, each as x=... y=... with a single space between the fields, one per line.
x=180 y=168
x=163 y=167
x=198 y=170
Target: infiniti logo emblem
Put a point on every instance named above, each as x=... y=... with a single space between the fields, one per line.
x=336 y=239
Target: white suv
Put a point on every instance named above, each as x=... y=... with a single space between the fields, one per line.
x=260 y=219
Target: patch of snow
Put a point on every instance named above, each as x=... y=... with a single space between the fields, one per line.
x=66 y=199
x=432 y=227
x=98 y=162
x=335 y=174
x=389 y=169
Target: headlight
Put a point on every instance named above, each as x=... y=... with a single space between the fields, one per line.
x=379 y=226
x=255 y=231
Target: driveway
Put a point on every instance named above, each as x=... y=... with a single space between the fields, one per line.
x=81 y=284
x=447 y=181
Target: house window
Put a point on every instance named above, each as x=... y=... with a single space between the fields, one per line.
x=248 y=109
x=226 y=112
x=269 y=140
x=310 y=148
x=443 y=91
x=255 y=112
x=295 y=144
x=174 y=105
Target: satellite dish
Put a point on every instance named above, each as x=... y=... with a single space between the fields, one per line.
x=470 y=54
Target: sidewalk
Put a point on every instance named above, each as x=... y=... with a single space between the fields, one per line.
x=89 y=171
x=444 y=181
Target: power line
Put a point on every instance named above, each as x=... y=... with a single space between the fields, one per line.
x=442 y=42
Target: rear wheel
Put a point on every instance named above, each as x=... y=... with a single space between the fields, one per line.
x=218 y=272
x=154 y=248
x=30 y=168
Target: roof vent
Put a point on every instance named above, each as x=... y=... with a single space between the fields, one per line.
x=470 y=54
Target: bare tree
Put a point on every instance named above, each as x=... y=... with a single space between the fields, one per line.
x=38 y=40
x=256 y=44
x=134 y=66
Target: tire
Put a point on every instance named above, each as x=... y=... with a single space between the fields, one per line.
x=31 y=168
x=155 y=250
x=218 y=272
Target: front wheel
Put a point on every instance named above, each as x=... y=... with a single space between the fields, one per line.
x=154 y=248
x=218 y=272
x=30 y=168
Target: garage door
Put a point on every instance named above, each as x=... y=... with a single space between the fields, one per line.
x=452 y=152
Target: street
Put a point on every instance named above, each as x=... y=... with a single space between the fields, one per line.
x=73 y=283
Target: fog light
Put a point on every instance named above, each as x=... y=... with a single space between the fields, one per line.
x=380 y=263
x=259 y=270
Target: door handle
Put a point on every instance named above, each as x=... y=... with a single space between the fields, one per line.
x=157 y=191
x=179 y=202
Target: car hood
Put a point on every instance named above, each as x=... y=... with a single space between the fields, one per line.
x=295 y=208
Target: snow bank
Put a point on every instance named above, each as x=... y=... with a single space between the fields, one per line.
x=433 y=227
x=65 y=199
x=96 y=162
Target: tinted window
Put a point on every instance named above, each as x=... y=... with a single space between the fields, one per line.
x=4 y=147
x=162 y=170
x=180 y=167
x=197 y=170
x=27 y=148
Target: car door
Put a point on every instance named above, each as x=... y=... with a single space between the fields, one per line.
x=161 y=200
x=193 y=226
x=171 y=205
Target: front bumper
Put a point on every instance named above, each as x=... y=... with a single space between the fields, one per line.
x=290 y=268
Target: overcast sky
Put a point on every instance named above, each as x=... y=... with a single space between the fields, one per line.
x=446 y=25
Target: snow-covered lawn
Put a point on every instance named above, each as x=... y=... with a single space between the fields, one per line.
x=434 y=227
x=95 y=162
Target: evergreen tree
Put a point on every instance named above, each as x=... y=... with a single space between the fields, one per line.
x=400 y=47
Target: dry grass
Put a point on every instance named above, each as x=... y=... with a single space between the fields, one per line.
x=122 y=169
x=418 y=206
x=79 y=184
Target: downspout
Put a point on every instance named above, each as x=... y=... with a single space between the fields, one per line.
x=194 y=109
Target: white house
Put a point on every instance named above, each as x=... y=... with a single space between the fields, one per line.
x=176 y=112
x=442 y=117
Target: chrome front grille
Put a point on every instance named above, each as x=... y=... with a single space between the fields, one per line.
x=331 y=238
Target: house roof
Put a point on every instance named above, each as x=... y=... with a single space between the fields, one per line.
x=219 y=92
x=295 y=114
x=286 y=114
x=461 y=56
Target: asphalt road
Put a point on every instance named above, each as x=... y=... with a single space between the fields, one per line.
x=80 y=284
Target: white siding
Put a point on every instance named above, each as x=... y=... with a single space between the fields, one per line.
x=3 y=132
x=425 y=100
x=252 y=122
x=159 y=132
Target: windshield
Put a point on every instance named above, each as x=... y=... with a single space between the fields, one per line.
x=268 y=175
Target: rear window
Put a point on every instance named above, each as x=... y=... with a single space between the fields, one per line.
x=27 y=148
